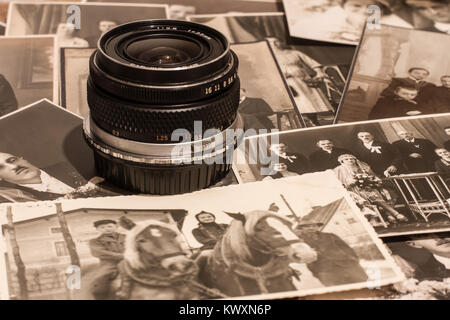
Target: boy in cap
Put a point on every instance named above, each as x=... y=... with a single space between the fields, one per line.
x=109 y=248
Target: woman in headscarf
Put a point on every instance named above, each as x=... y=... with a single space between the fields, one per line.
x=358 y=177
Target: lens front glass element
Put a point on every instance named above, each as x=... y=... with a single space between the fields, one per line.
x=163 y=51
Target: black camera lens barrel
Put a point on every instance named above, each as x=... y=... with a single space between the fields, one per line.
x=145 y=101
x=161 y=94
x=210 y=74
x=149 y=78
x=155 y=123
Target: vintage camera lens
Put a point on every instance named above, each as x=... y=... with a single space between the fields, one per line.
x=149 y=80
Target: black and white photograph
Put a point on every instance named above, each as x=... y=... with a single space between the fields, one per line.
x=425 y=261
x=27 y=72
x=180 y=9
x=247 y=27
x=395 y=170
x=266 y=102
x=74 y=75
x=342 y=21
x=76 y=30
x=43 y=157
x=315 y=75
x=305 y=238
x=398 y=72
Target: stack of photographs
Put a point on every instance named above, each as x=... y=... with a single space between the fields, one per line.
x=341 y=188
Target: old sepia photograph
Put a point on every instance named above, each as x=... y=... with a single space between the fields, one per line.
x=315 y=75
x=74 y=75
x=304 y=238
x=342 y=21
x=397 y=170
x=27 y=72
x=43 y=157
x=425 y=261
x=248 y=27
x=398 y=72
x=76 y=24
x=181 y=9
x=266 y=102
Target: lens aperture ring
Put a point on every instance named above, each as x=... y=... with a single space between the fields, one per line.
x=155 y=124
x=174 y=94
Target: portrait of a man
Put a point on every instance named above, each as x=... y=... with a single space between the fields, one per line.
x=52 y=164
x=20 y=181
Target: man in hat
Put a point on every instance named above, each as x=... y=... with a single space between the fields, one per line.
x=109 y=248
x=208 y=231
x=337 y=263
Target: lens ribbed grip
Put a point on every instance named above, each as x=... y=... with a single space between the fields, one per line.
x=147 y=123
x=160 y=180
x=158 y=95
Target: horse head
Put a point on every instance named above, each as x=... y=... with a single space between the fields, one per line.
x=157 y=244
x=273 y=234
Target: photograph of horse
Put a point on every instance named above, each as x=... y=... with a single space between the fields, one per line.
x=253 y=256
x=157 y=267
x=268 y=240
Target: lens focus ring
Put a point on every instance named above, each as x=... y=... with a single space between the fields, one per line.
x=150 y=123
x=161 y=95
